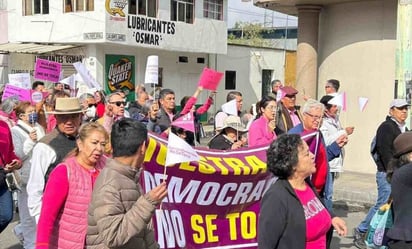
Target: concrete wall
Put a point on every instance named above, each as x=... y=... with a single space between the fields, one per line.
x=357 y=45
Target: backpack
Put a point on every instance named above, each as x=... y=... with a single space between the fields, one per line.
x=374 y=151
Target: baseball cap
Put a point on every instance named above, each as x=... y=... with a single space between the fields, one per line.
x=398 y=103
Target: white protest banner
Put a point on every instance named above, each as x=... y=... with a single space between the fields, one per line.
x=230 y=107
x=152 y=70
x=20 y=79
x=86 y=75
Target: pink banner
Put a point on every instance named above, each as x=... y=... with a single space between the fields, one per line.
x=23 y=94
x=47 y=70
x=210 y=79
x=212 y=203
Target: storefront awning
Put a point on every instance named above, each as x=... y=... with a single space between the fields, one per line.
x=32 y=48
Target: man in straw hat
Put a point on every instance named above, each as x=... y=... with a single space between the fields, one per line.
x=229 y=136
x=52 y=149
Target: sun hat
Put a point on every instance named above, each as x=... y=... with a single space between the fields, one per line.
x=67 y=106
x=234 y=123
x=398 y=103
x=402 y=144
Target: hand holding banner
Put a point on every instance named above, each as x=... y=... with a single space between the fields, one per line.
x=210 y=79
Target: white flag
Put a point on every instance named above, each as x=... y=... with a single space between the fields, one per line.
x=339 y=100
x=230 y=107
x=362 y=103
x=69 y=81
x=179 y=151
x=86 y=75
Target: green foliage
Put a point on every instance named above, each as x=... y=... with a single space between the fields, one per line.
x=251 y=35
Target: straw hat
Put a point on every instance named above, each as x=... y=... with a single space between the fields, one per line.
x=67 y=106
x=234 y=123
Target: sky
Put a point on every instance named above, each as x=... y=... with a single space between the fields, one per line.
x=247 y=12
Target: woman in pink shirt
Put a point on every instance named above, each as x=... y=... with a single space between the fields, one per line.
x=292 y=215
x=63 y=217
x=263 y=130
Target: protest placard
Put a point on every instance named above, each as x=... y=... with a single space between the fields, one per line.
x=47 y=70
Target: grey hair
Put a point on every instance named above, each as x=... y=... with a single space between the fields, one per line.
x=8 y=104
x=108 y=97
x=85 y=96
x=312 y=104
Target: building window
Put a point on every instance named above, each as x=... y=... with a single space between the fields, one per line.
x=230 y=80
x=182 y=10
x=78 y=5
x=35 y=7
x=213 y=9
x=143 y=7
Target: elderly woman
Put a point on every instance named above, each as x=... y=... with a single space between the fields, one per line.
x=399 y=176
x=7 y=113
x=230 y=135
x=263 y=129
x=292 y=214
x=26 y=133
x=63 y=218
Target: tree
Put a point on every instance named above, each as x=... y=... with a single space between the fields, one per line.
x=251 y=34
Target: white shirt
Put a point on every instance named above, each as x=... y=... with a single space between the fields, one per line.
x=43 y=156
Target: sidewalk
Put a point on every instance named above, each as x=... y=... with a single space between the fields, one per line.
x=355 y=190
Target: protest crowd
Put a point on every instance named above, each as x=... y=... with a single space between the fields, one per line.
x=73 y=165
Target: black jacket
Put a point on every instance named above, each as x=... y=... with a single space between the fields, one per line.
x=284 y=223
x=386 y=133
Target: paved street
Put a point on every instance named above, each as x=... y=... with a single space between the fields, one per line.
x=352 y=218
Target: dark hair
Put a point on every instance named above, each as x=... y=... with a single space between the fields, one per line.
x=183 y=101
x=164 y=92
x=282 y=155
x=232 y=95
x=127 y=136
x=275 y=81
x=325 y=99
x=263 y=103
x=395 y=164
x=51 y=102
x=37 y=83
x=335 y=84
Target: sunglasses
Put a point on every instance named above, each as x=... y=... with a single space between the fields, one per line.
x=118 y=103
x=90 y=105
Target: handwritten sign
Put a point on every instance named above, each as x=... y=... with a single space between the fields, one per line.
x=47 y=70
x=20 y=80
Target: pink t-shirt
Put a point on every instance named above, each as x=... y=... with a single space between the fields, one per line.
x=318 y=220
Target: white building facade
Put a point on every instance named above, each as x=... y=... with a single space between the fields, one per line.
x=185 y=34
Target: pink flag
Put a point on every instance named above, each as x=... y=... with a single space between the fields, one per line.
x=185 y=122
x=210 y=79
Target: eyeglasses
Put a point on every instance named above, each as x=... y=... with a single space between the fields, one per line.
x=315 y=117
x=327 y=86
x=90 y=105
x=118 y=103
x=291 y=96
